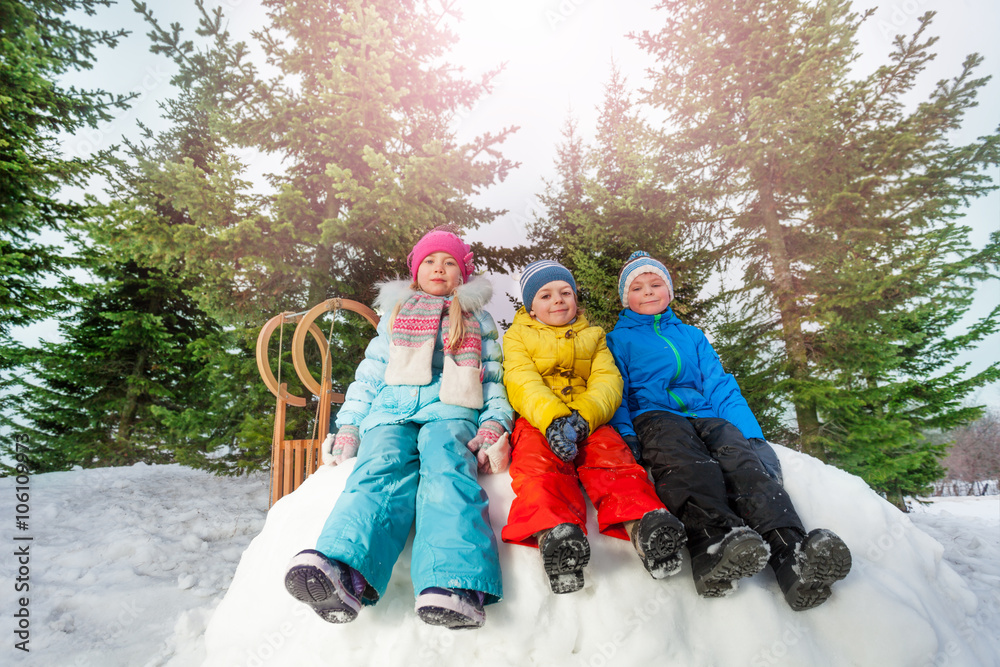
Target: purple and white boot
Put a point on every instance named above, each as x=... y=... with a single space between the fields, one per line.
x=330 y=587
x=453 y=608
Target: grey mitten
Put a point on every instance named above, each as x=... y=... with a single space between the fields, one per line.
x=581 y=427
x=562 y=438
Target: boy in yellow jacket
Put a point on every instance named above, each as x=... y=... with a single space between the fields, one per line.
x=563 y=382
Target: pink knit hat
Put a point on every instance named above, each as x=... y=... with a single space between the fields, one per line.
x=440 y=239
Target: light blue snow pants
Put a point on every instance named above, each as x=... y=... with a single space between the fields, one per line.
x=424 y=473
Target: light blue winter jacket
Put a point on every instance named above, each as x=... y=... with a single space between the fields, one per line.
x=669 y=365
x=370 y=402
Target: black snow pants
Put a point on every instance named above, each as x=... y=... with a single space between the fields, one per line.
x=709 y=477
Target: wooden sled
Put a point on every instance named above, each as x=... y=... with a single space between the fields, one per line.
x=294 y=460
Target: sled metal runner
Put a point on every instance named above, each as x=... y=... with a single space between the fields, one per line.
x=294 y=460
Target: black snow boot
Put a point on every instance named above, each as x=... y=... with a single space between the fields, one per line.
x=782 y=542
x=806 y=567
x=658 y=537
x=718 y=561
x=565 y=552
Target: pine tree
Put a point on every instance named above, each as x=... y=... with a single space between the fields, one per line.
x=904 y=256
x=91 y=399
x=359 y=112
x=562 y=199
x=38 y=47
x=842 y=207
x=608 y=202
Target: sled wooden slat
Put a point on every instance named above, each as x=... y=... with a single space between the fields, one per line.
x=299 y=471
x=286 y=467
x=294 y=460
x=312 y=457
x=277 y=447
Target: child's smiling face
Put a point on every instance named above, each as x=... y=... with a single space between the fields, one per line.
x=648 y=294
x=554 y=304
x=439 y=274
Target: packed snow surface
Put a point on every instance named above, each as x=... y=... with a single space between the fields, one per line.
x=128 y=566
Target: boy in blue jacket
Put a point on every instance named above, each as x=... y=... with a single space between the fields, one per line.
x=704 y=449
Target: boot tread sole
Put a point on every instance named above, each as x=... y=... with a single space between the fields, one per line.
x=310 y=585
x=658 y=542
x=744 y=556
x=823 y=560
x=564 y=555
x=448 y=618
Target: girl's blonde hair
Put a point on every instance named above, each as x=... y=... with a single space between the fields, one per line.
x=456 y=323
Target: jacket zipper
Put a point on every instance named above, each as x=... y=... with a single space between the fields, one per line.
x=677 y=356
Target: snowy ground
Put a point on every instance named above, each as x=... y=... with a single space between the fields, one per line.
x=131 y=566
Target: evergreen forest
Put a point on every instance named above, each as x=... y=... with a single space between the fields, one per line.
x=811 y=213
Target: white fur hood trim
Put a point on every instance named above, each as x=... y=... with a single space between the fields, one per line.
x=473 y=295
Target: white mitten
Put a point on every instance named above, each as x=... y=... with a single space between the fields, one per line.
x=495 y=458
x=326 y=449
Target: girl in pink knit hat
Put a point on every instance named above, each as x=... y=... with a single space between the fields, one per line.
x=426 y=409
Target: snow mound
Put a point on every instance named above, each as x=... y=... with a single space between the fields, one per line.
x=902 y=604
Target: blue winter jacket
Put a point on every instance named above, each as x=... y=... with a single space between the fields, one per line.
x=370 y=402
x=669 y=365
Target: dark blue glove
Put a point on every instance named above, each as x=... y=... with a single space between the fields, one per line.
x=768 y=459
x=581 y=427
x=562 y=438
x=634 y=445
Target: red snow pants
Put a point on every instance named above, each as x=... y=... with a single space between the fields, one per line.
x=548 y=489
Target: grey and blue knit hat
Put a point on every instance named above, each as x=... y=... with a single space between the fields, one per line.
x=638 y=263
x=537 y=274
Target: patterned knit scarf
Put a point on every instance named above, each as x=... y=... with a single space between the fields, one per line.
x=411 y=351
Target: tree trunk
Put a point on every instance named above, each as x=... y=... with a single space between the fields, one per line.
x=127 y=419
x=323 y=260
x=321 y=270
x=791 y=329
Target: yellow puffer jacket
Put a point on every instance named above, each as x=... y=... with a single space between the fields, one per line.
x=550 y=371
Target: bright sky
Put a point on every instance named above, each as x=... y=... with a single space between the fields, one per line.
x=558 y=55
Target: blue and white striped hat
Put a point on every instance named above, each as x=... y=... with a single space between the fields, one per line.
x=537 y=274
x=638 y=263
